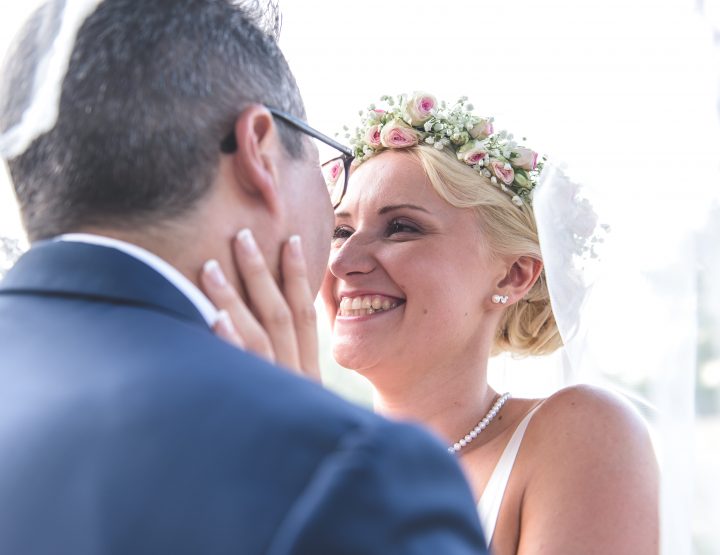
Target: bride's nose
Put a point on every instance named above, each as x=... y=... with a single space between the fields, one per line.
x=354 y=257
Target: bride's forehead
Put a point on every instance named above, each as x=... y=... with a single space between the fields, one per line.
x=387 y=191
x=376 y=202
x=392 y=178
x=389 y=162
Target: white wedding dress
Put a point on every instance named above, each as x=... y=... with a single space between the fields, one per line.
x=492 y=497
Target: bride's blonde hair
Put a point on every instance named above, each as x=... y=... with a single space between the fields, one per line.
x=528 y=326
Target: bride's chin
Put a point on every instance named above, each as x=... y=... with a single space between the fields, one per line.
x=345 y=358
x=353 y=358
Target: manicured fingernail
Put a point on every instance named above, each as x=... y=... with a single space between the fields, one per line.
x=224 y=322
x=296 y=246
x=213 y=270
x=248 y=242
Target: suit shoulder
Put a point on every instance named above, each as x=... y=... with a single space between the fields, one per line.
x=404 y=486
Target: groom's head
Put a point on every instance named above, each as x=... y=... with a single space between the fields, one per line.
x=152 y=88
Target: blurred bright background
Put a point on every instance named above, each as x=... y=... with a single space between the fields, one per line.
x=625 y=93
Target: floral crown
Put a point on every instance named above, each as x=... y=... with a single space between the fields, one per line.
x=408 y=120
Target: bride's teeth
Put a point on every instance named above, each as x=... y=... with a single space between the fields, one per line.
x=362 y=306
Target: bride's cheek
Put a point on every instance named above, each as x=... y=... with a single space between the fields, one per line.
x=327 y=295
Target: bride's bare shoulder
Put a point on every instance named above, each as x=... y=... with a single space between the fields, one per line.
x=583 y=414
x=589 y=406
x=585 y=426
x=589 y=457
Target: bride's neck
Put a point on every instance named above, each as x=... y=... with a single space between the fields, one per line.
x=449 y=400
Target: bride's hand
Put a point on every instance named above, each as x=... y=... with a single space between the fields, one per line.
x=281 y=326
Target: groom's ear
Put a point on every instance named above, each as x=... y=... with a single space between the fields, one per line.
x=258 y=155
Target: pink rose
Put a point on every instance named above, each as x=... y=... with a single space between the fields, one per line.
x=419 y=108
x=482 y=129
x=332 y=171
x=500 y=170
x=375 y=115
x=398 y=134
x=372 y=136
x=525 y=158
x=472 y=153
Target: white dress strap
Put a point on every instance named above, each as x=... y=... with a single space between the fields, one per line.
x=491 y=499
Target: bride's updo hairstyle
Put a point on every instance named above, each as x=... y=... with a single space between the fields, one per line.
x=527 y=327
x=471 y=166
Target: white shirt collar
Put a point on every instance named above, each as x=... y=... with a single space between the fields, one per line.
x=186 y=287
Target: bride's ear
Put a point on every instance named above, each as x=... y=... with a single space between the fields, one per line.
x=258 y=156
x=520 y=277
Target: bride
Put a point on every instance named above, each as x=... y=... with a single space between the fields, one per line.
x=436 y=266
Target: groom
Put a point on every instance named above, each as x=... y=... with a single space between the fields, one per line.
x=126 y=425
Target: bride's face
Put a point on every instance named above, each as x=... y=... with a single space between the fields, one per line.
x=410 y=278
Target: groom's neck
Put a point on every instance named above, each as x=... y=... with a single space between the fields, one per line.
x=175 y=244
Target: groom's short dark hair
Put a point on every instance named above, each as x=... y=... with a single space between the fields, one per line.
x=152 y=89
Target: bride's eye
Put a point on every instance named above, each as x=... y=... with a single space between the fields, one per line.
x=401 y=226
x=340 y=233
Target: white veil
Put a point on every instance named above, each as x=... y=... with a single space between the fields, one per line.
x=629 y=318
x=55 y=26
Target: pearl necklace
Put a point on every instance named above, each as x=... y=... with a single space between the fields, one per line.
x=472 y=434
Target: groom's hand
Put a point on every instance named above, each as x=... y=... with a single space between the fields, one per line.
x=282 y=325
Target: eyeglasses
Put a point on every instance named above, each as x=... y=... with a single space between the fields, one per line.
x=335 y=171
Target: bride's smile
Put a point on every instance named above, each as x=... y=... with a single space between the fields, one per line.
x=357 y=305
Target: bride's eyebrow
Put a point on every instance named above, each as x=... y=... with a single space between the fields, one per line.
x=392 y=207
x=388 y=208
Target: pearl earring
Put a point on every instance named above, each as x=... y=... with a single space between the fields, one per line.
x=499 y=299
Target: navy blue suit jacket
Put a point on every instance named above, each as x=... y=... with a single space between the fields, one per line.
x=127 y=427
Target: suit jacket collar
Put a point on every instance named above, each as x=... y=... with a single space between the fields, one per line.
x=83 y=270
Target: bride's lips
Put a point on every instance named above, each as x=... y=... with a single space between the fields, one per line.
x=366 y=303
